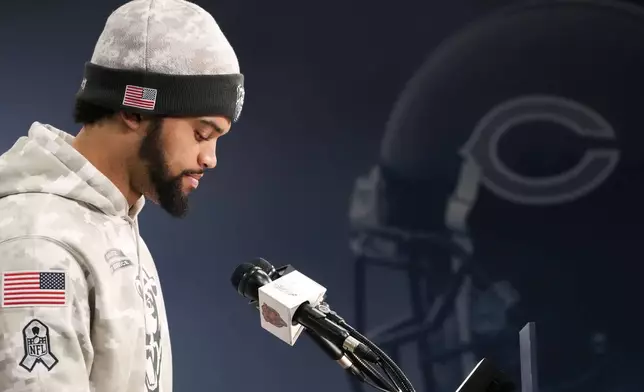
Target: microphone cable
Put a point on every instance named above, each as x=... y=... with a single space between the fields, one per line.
x=389 y=367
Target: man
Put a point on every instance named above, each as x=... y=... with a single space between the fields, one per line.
x=81 y=306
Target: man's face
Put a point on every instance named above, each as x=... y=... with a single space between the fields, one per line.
x=175 y=152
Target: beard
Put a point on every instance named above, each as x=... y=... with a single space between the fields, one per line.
x=168 y=188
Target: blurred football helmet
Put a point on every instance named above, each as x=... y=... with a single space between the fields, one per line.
x=510 y=189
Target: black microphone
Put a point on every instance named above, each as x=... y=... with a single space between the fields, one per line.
x=333 y=351
x=248 y=278
x=270 y=270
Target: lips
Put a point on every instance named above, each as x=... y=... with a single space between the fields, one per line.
x=194 y=179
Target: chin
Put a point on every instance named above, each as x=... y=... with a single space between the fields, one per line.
x=177 y=205
x=170 y=196
x=176 y=212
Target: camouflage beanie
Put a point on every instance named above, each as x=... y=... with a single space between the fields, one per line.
x=164 y=57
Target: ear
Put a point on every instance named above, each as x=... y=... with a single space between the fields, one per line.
x=132 y=121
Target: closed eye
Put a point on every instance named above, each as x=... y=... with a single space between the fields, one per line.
x=200 y=136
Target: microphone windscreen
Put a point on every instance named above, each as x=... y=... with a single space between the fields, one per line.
x=264 y=264
x=239 y=273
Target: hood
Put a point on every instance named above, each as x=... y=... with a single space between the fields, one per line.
x=45 y=162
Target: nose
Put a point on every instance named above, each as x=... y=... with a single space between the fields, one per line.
x=208 y=157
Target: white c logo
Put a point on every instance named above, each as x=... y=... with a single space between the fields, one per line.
x=590 y=172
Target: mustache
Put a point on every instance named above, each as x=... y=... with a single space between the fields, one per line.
x=184 y=173
x=190 y=172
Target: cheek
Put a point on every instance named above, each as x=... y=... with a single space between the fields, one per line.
x=181 y=157
x=180 y=148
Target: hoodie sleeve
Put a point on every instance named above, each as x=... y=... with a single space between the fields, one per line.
x=45 y=341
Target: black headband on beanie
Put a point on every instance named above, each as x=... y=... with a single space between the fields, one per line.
x=163 y=94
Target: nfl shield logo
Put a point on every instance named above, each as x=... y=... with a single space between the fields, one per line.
x=37 y=346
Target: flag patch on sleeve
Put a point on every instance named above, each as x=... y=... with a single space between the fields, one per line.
x=34 y=288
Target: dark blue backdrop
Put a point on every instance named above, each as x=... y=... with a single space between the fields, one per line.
x=322 y=79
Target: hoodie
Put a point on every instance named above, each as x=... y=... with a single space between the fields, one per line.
x=81 y=307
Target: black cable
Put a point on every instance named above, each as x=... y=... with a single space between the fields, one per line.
x=397 y=372
x=353 y=364
x=389 y=375
x=403 y=382
x=337 y=355
x=373 y=385
x=369 y=371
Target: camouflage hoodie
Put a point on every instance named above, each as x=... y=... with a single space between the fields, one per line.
x=81 y=307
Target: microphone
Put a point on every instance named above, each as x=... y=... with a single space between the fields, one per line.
x=279 y=300
x=333 y=351
x=285 y=308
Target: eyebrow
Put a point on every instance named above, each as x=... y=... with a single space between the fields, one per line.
x=213 y=125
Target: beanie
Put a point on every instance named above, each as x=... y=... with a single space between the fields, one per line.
x=164 y=57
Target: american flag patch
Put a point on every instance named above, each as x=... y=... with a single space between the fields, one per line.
x=33 y=288
x=140 y=97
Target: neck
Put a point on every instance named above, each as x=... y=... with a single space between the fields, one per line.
x=107 y=154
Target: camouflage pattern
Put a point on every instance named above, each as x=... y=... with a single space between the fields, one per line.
x=58 y=213
x=165 y=36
